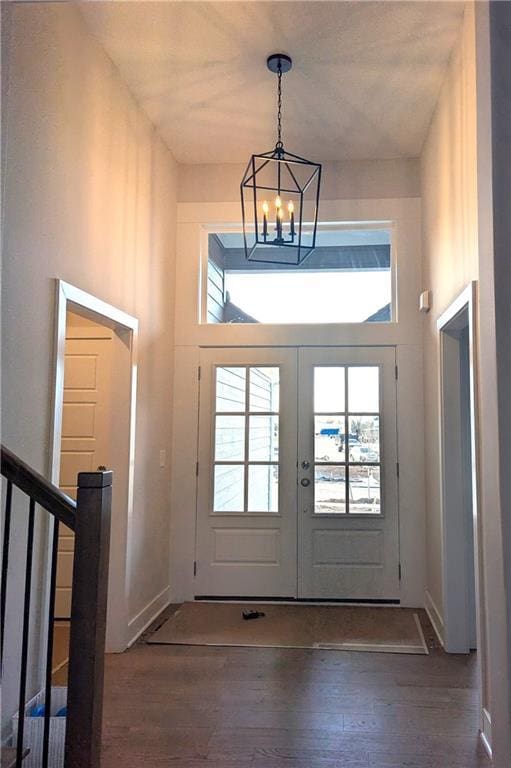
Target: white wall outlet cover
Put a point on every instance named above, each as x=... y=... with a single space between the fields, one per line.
x=163 y=458
x=425 y=301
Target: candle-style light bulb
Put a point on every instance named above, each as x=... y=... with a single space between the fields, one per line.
x=291 y=210
x=280 y=216
x=266 y=208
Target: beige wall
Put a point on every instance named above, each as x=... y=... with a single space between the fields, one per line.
x=350 y=180
x=450 y=254
x=458 y=246
x=501 y=150
x=493 y=31
x=89 y=197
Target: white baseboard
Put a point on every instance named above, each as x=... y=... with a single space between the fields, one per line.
x=434 y=616
x=485 y=733
x=147 y=615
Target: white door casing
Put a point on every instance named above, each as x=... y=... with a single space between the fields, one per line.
x=121 y=631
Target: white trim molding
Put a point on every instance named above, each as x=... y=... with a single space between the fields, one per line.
x=486 y=732
x=458 y=316
x=463 y=312
x=144 y=618
x=196 y=220
x=434 y=616
x=69 y=297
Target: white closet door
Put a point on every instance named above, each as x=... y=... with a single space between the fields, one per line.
x=85 y=440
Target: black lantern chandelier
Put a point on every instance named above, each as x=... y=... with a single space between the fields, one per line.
x=280 y=196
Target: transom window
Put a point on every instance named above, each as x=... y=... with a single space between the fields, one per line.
x=347 y=458
x=346 y=279
x=246 y=439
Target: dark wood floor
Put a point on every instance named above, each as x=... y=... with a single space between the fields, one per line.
x=198 y=707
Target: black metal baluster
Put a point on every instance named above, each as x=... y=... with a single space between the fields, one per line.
x=24 y=640
x=49 y=647
x=5 y=564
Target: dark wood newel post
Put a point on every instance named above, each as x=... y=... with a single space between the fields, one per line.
x=88 y=620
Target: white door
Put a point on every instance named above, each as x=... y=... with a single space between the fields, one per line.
x=297 y=474
x=85 y=435
x=246 y=514
x=347 y=475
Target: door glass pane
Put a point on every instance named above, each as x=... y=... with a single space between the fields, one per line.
x=364 y=490
x=229 y=488
x=230 y=389
x=229 y=438
x=263 y=488
x=329 y=389
x=264 y=389
x=364 y=439
x=329 y=438
x=363 y=389
x=329 y=490
x=263 y=440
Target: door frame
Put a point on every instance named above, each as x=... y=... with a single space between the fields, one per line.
x=384 y=357
x=411 y=469
x=69 y=297
x=458 y=316
x=462 y=313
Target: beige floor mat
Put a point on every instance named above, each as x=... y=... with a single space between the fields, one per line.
x=345 y=628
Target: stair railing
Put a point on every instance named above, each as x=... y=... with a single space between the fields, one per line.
x=89 y=518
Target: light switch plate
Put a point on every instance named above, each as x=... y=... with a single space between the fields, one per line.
x=425 y=301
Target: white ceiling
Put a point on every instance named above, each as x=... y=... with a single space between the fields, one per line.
x=364 y=83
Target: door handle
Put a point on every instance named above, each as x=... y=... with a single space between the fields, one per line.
x=305 y=464
x=305 y=482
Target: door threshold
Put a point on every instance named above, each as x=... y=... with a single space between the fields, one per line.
x=297 y=601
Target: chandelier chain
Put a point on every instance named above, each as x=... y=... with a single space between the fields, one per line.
x=279 y=144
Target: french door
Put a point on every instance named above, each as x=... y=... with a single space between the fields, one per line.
x=348 y=542
x=246 y=513
x=297 y=474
